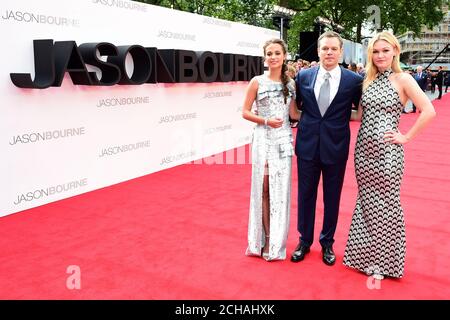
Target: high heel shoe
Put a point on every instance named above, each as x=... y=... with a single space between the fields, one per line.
x=378 y=276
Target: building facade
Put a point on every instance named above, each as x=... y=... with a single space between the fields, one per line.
x=423 y=49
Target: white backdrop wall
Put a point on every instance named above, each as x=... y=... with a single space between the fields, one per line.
x=99 y=136
x=353 y=52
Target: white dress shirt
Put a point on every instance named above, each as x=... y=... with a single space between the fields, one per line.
x=335 y=79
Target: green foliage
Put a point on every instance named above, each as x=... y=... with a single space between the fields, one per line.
x=397 y=15
x=410 y=15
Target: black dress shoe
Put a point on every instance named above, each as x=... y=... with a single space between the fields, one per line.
x=328 y=256
x=299 y=253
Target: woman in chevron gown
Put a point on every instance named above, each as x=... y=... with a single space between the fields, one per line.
x=376 y=243
x=272 y=150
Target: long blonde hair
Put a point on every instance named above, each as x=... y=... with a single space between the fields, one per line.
x=371 y=69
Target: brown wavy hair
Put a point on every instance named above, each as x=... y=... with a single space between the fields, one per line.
x=284 y=76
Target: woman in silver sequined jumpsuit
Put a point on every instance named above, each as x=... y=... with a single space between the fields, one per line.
x=274 y=97
x=376 y=243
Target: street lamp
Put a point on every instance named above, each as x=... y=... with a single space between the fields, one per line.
x=321 y=21
x=281 y=18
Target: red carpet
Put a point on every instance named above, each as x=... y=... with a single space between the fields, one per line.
x=181 y=234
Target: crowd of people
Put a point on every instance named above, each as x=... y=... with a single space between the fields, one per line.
x=428 y=80
x=321 y=96
x=295 y=66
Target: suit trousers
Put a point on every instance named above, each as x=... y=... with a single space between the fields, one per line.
x=309 y=173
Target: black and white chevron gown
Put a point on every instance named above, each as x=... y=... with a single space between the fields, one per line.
x=377 y=242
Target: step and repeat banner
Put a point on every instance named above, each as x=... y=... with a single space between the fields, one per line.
x=96 y=92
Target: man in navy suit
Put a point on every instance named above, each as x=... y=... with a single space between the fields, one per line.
x=421 y=78
x=325 y=95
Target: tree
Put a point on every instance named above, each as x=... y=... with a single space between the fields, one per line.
x=410 y=15
x=398 y=15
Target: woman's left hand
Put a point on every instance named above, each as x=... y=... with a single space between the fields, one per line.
x=395 y=137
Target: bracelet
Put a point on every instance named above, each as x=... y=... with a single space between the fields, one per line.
x=265 y=121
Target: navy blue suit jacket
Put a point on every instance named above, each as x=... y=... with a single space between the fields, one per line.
x=422 y=80
x=330 y=133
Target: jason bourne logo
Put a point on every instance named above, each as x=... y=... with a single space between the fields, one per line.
x=217 y=22
x=110 y=151
x=151 y=65
x=217 y=94
x=244 y=139
x=33 y=17
x=122 y=4
x=46 y=135
x=176 y=35
x=177 y=157
x=218 y=129
x=247 y=44
x=112 y=102
x=46 y=192
x=177 y=117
